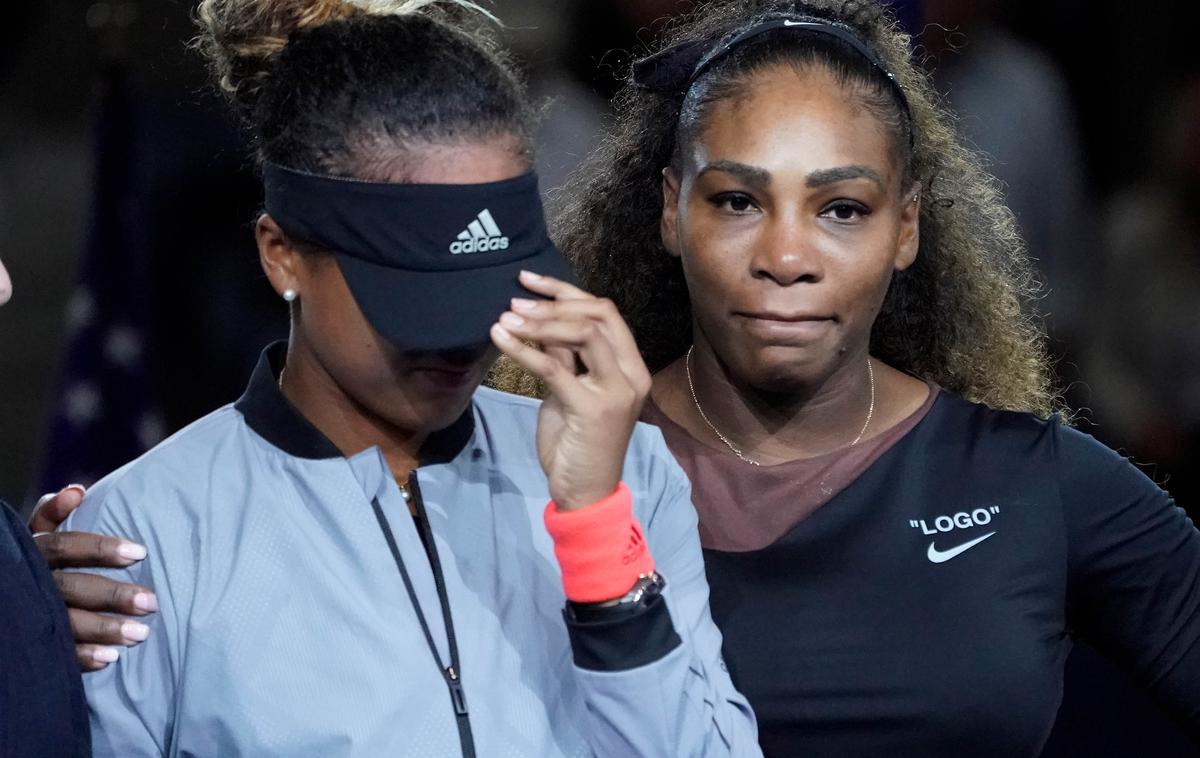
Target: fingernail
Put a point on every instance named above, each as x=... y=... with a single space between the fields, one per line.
x=530 y=275
x=501 y=333
x=105 y=654
x=523 y=305
x=132 y=551
x=80 y=487
x=145 y=601
x=511 y=320
x=135 y=632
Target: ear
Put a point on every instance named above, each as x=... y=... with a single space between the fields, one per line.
x=279 y=258
x=669 y=224
x=910 y=228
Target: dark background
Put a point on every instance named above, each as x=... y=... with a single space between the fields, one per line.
x=126 y=199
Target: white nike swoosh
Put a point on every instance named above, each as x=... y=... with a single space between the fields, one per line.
x=941 y=556
x=793 y=23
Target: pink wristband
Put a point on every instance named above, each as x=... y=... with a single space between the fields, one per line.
x=601 y=549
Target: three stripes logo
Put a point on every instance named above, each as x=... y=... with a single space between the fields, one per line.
x=480 y=236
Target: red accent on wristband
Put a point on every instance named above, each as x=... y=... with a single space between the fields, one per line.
x=600 y=548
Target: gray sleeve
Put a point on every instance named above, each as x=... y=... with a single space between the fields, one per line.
x=683 y=703
x=131 y=703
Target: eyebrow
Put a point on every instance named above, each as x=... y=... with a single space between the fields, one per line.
x=825 y=176
x=749 y=174
x=819 y=178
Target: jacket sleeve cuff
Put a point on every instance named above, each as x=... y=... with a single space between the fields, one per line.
x=619 y=639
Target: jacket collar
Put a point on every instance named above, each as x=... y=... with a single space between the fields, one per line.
x=272 y=416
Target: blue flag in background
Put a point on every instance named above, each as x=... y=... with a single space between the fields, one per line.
x=104 y=410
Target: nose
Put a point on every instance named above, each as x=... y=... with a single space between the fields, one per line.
x=787 y=254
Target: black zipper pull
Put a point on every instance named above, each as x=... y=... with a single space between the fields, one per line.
x=456 y=691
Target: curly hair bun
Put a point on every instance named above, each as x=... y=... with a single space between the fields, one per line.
x=241 y=38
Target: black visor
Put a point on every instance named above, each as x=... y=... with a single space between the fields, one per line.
x=431 y=266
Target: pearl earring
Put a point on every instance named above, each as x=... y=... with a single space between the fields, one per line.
x=289 y=295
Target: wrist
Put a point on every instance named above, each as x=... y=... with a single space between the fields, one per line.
x=644 y=591
x=579 y=500
x=600 y=548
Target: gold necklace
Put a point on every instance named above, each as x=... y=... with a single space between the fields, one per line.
x=687 y=366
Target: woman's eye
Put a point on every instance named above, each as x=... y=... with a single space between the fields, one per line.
x=734 y=202
x=845 y=210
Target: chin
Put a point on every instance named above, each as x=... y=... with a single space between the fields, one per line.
x=782 y=370
x=437 y=413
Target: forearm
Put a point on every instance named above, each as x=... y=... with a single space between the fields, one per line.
x=647 y=663
x=649 y=693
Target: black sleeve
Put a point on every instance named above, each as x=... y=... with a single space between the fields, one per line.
x=42 y=708
x=1134 y=573
x=619 y=639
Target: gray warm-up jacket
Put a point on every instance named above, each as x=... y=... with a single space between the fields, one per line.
x=301 y=613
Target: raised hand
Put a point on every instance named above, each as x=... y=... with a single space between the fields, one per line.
x=90 y=598
x=588 y=359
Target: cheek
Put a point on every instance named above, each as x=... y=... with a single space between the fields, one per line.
x=861 y=268
x=331 y=315
x=339 y=333
x=713 y=259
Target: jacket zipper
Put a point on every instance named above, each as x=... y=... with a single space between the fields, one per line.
x=451 y=672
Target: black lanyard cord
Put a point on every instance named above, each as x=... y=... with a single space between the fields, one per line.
x=451 y=673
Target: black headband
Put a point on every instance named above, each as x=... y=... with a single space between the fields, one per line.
x=673 y=71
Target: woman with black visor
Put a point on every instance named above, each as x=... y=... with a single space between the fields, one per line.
x=357 y=558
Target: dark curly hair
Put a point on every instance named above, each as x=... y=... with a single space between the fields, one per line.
x=960 y=316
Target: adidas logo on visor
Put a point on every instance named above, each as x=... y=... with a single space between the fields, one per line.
x=480 y=236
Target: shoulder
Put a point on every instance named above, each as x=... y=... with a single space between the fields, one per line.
x=176 y=471
x=1077 y=460
x=659 y=484
x=650 y=470
x=510 y=420
x=954 y=420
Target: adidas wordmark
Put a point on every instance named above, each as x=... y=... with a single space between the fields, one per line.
x=481 y=235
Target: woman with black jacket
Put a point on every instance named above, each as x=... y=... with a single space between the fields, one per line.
x=42 y=711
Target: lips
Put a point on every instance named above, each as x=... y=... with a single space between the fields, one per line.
x=449 y=373
x=442 y=378
x=788 y=318
x=447 y=369
x=786 y=328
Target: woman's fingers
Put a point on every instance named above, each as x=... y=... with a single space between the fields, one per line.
x=582 y=335
x=90 y=592
x=548 y=286
x=86 y=550
x=95 y=657
x=551 y=370
x=52 y=509
x=604 y=312
x=99 y=629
